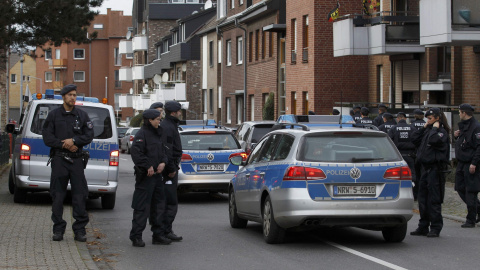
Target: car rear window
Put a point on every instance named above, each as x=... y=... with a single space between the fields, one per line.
x=122 y=131
x=218 y=141
x=134 y=131
x=259 y=131
x=100 y=117
x=348 y=148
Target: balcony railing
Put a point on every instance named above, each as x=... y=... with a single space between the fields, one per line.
x=125 y=47
x=294 y=56
x=305 y=55
x=58 y=63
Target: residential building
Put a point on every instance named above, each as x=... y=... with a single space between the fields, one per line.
x=29 y=80
x=93 y=67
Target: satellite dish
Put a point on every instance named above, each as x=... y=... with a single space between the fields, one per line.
x=208 y=4
x=145 y=88
x=157 y=79
x=165 y=77
x=194 y=12
x=184 y=67
x=129 y=34
x=131 y=91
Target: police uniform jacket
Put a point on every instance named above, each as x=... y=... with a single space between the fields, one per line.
x=364 y=121
x=357 y=116
x=401 y=134
x=467 y=145
x=172 y=142
x=385 y=127
x=418 y=123
x=433 y=145
x=378 y=120
x=61 y=125
x=147 y=148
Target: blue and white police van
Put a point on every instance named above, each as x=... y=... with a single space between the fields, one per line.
x=29 y=171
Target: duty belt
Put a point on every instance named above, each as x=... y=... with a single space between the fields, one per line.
x=68 y=154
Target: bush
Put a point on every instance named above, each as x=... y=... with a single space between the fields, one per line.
x=136 y=120
x=269 y=109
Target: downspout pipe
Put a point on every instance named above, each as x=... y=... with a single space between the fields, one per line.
x=237 y=24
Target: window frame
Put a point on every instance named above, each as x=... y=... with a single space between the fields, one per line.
x=210 y=53
x=228 y=110
x=78 y=71
x=240 y=50
x=47 y=52
x=13 y=78
x=117 y=57
x=78 y=58
x=229 y=52
x=51 y=76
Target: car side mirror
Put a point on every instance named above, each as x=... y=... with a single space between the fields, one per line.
x=237 y=160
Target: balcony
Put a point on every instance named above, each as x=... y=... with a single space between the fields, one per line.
x=139 y=43
x=450 y=22
x=137 y=73
x=125 y=47
x=172 y=91
x=58 y=63
x=125 y=74
x=383 y=33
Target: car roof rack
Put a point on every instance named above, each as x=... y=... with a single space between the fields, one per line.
x=284 y=126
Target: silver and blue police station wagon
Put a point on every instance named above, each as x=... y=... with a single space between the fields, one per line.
x=326 y=177
x=205 y=162
x=29 y=171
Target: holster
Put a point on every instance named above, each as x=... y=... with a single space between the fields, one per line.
x=140 y=173
x=85 y=157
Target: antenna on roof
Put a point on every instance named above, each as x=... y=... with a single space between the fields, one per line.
x=341 y=108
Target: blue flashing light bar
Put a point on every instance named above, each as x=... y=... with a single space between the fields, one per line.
x=49 y=95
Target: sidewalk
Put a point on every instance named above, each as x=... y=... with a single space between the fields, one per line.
x=26 y=235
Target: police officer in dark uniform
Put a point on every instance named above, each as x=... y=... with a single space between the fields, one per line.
x=159 y=107
x=389 y=122
x=433 y=145
x=364 y=119
x=174 y=154
x=378 y=121
x=148 y=155
x=418 y=122
x=401 y=135
x=357 y=113
x=66 y=130
x=467 y=152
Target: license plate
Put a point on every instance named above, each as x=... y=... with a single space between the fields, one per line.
x=354 y=190
x=210 y=167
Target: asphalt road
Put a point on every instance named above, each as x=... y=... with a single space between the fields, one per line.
x=210 y=243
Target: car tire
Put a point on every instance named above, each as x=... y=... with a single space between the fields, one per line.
x=272 y=233
x=19 y=195
x=395 y=234
x=108 y=201
x=11 y=183
x=235 y=221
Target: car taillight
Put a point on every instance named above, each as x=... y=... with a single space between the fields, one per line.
x=131 y=138
x=186 y=157
x=114 y=157
x=398 y=173
x=25 y=152
x=303 y=173
x=243 y=154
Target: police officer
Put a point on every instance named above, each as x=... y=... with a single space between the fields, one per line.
x=389 y=122
x=379 y=119
x=148 y=155
x=433 y=153
x=174 y=154
x=364 y=119
x=66 y=130
x=418 y=122
x=357 y=113
x=467 y=152
x=159 y=107
x=401 y=135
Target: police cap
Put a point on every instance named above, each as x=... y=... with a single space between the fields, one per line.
x=151 y=114
x=357 y=107
x=433 y=111
x=388 y=116
x=364 y=110
x=418 y=112
x=156 y=105
x=173 y=106
x=382 y=106
x=466 y=107
x=401 y=114
x=68 y=88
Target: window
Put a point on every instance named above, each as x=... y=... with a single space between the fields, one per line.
x=229 y=113
x=57 y=54
x=284 y=147
x=210 y=102
x=210 y=53
x=239 y=50
x=305 y=103
x=229 y=52
x=221 y=8
x=240 y=2
x=13 y=78
x=219 y=49
x=294 y=103
x=252 y=158
x=79 y=54
x=233 y=4
x=264 y=44
x=165 y=46
x=257 y=37
x=267 y=152
x=218 y=141
x=270 y=45
x=250 y=47
x=98 y=26
x=159 y=52
x=175 y=38
x=117 y=105
x=48 y=76
x=57 y=75
x=294 y=41
x=129 y=56
x=239 y=110
x=305 y=39
x=117 y=58
x=205 y=101
x=48 y=54
x=118 y=83
x=252 y=108
x=79 y=76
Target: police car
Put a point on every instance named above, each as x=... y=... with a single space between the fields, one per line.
x=316 y=120
x=205 y=162
x=29 y=171
x=325 y=177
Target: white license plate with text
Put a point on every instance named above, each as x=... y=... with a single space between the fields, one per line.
x=355 y=190
x=210 y=167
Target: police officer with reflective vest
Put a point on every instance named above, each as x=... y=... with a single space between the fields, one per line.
x=148 y=155
x=357 y=113
x=174 y=154
x=379 y=119
x=467 y=152
x=401 y=135
x=364 y=119
x=389 y=122
x=433 y=145
x=418 y=122
x=66 y=130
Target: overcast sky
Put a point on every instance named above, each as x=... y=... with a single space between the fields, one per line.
x=125 y=5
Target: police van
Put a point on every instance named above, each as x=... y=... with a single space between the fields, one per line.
x=29 y=171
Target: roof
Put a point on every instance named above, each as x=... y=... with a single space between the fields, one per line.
x=210 y=26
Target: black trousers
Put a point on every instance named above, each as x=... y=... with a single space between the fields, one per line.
x=470 y=198
x=148 y=191
x=171 y=205
x=62 y=172
x=430 y=199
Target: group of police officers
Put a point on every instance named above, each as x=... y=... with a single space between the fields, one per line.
x=425 y=146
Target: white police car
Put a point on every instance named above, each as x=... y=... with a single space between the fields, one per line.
x=29 y=171
x=205 y=162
